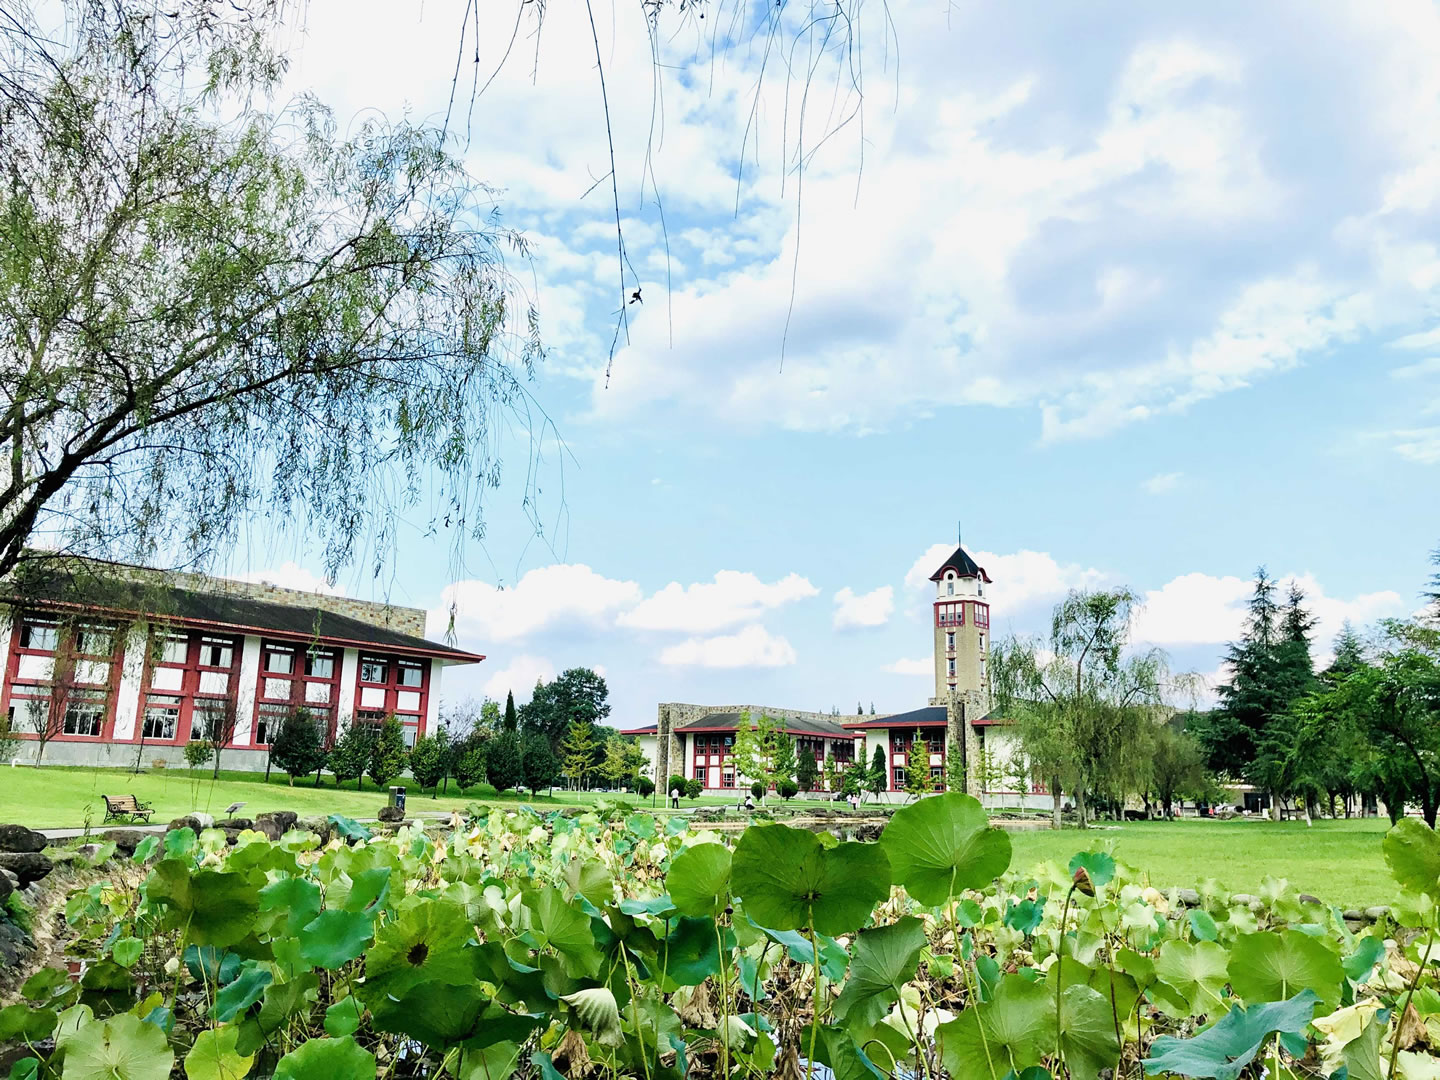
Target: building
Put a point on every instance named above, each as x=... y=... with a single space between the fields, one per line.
x=696 y=741
x=122 y=665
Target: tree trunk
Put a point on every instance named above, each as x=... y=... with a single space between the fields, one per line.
x=267 y=766
x=1274 y=806
x=215 y=773
x=1056 y=798
x=1080 y=817
x=1308 y=821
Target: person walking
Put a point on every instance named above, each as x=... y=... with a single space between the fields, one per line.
x=674 y=798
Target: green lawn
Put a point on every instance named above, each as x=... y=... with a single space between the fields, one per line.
x=57 y=796
x=1338 y=861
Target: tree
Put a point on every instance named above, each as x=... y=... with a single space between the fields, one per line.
x=511 y=721
x=578 y=695
x=806 y=772
x=387 y=753
x=1349 y=654
x=787 y=789
x=297 y=748
x=917 y=772
x=876 y=778
x=955 y=779
x=1081 y=700
x=198 y=752
x=763 y=750
x=490 y=715
x=540 y=765
x=219 y=719
x=577 y=753
x=351 y=752
x=855 y=780
x=830 y=773
x=693 y=788
x=1177 y=767
x=189 y=291
x=470 y=764
x=859 y=709
x=622 y=761
x=503 y=766
x=644 y=787
x=427 y=762
x=784 y=763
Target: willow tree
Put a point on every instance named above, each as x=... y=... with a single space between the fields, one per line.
x=1082 y=699
x=212 y=307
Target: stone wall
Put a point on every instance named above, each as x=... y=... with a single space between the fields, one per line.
x=122 y=756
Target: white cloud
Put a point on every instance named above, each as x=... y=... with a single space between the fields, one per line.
x=1018 y=581
x=1425 y=339
x=542 y=598
x=1201 y=609
x=1429 y=366
x=732 y=598
x=1420 y=445
x=754 y=646
x=290 y=575
x=519 y=677
x=923 y=666
x=867 y=609
x=1162 y=483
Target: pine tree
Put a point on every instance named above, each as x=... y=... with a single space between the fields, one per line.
x=387 y=754
x=876 y=778
x=831 y=773
x=503 y=765
x=577 y=753
x=297 y=748
x=805 y=771
x=511 y=721
x=470 y=763
x=954 y=767
x=538 y=763
x=351 y=752
x=1231 y=733
x=872 y=708
x=859 y=709
x=427 y=762
x=917 y=769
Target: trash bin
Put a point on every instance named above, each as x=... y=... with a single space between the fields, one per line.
x=397 y=798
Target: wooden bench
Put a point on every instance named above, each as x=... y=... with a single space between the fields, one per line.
x=126 y=806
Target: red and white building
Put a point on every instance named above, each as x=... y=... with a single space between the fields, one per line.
x=120 y=664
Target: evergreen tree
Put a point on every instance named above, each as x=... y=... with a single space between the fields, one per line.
x=1230 y=734
x=876 y=779
x=917 y=772
x=859 y=709
x=805 y=771
x=783 y=760
x=490 y=715
x=577 y=753
x=540 y=766
x=297 y=748
x=427 y=762
x=872 y=708
x=470 y=763
x=511 y=721
x=351 y=752
x=755 y=745
x=1349 y=654
x=387 y=753
x=831 y=773
x=954 y=767
x=503 y=765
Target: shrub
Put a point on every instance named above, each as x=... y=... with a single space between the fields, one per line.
x=297 y=748
x=787 y=789
x=197 y=752
x=675 y=783
x=693 y=788
x=470 y=765
x=387 y=755
x=503 y=766
x=351 y=752
x=645 y=787
x=757 y=789
x=427 y=761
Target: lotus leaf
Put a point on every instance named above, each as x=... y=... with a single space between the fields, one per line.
x=244 y=991
x=1412 y=850
x=598 y=1013
x=334 y=938
x=1271 y=966
x=1202 y=926
x=211 y=907
x=213 y=1057
x=699 y=879
x=885 y=960
x=1196 y=971
x=327 y=1059
x=1011 y=1032
x=1087 y=1032
x=1222 y=1051
x=1097 y=864
x=941 y=846
x=122 y=1047
x=297 y=898
x=21 y=1023
x=343 y=1017
x=788 y=880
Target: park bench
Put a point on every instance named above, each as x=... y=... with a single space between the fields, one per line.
x=126 y=806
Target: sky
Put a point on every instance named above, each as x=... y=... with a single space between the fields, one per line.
x=1141 y=295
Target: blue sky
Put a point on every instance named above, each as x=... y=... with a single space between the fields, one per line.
x=1143 y=295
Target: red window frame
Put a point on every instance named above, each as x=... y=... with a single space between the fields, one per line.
x=982 y=616
x=305 y=659
x=188 y=694
x=67 y=633
x=950 y=613
x=411 y=720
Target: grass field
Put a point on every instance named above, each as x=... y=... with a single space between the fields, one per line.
x=1338 y=861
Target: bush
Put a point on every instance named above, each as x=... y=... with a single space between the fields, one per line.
x=787 y=789
x=297 y=748
x=538 y=762
x=427 y=761
x=387 y=755
x=503 y=766
x=693 y=788
x=675 y=783
x=645 y=787
x=470 y=765
x=351 y=752
x=197 y=752
x=757 y=789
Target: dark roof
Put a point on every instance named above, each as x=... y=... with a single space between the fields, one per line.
x=730 y=721
x=963 y=565
x=120 y=596
x=929 y=716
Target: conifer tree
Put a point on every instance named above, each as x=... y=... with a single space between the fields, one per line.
x=297 y=748
x=876 y=779
x=917 y=769
x=512 y=721
x=577 y=753
x=805 y=771
x=784 y=763
x=538 y=763
x=387 y=754
x=351 y=752
x=503 y=765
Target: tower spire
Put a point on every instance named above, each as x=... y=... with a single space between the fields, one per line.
x=959 y=533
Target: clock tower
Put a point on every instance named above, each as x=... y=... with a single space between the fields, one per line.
x=962 y=633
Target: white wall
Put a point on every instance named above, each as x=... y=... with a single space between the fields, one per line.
x=245 y=692
x=432 y=703
x=132 y=671
x=349 y=672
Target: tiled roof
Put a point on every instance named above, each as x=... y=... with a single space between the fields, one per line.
x=730 y=721
x=929 y=716
x=963 y=565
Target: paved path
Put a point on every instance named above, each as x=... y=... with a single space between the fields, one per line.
x=160 y=827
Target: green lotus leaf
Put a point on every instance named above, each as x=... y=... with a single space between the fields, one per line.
x=1369 y=951
x=789 y=880
x=146 y=849
x=556 y=922
x=1197 y=971
x=122 y=1047
x=427 y=942
x=368 y=888
x=590 y=879
x=349 y=828
x=27 y=1068
x=1412 y=850
x=327 y=1059
x=213 y=1057
x=21 y=1023
x=846 y=1061
x=127 y=950
x=833 y=957
x=334 y=938
x=885 y=960
x=282 y=1001
x=941 y=846
x=495 y=1062
x=598 y=1013
x=179 y=842
x=244 y=991
x=1013 y=1031
x=211 y=907
x=438 y=1014
x=1362 y=1055
x=297 y=898
x=1271 y=966
x=699 y=879
x=343 y=1017
x=1202 y=926
x=43 y=985
x=1097 y=864
x=1223 y=1050
x=1087 y=1032
x=642 y=825
x=691 y=953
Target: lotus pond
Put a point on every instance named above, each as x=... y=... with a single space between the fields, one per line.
x=611 y=943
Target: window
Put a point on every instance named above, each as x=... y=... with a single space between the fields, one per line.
x=217 y=652
x=372 y=671
x=84 y=713
x=41 y=637
x=899 y=774
x=950 y=614
x=96 y=641
x=949 y=586
x=400 y=687
x=162 y=716
x=727 y=778
x=950 y=641
x=950 y=666
x=319 y=665
x=937 y=772
x=190 y=687
x=292 y=677
x=173 y=648
x=411 y=673
x=982 y=615
x=79 y=657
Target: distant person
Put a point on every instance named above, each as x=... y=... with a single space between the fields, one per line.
x=674 y=798
x=749 y=802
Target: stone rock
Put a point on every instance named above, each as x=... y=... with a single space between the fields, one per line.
x=8 y=883
x=87 y=851
x=189 y=821
x=241 y=823
x=320 y=826
x=28 y=866
x=9 y=876
x=1246 y=899
x=1187 y=897
x=15 y=944
x=1306 y=898
x=391 y=814
x=20 y=838
x=276 y=823
x=125 y=840
x=232 y=836
x=1377 y=913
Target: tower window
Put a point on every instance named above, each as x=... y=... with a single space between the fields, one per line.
x=950 y=666
x=950 y=640
x=949 y=587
